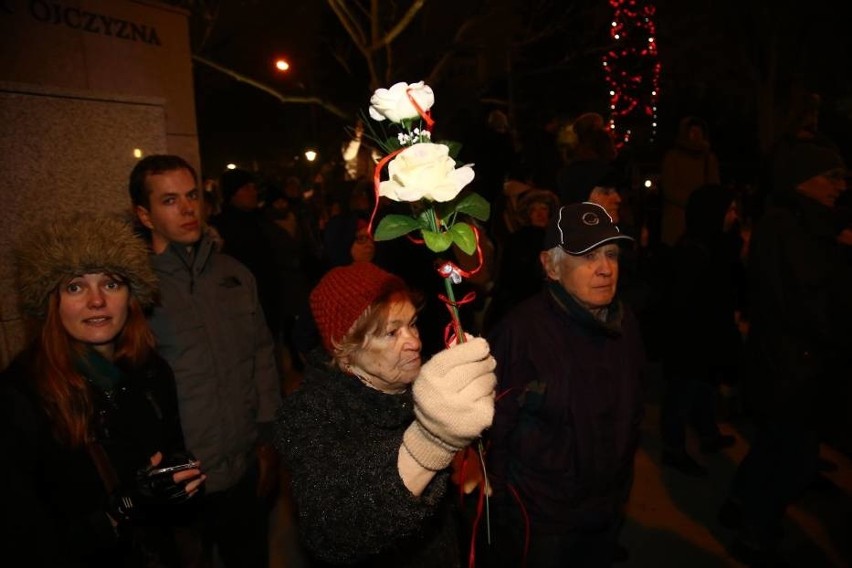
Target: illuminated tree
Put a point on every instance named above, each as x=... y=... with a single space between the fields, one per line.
x=632 y=70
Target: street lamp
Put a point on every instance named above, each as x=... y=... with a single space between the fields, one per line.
x=310 y=155
x=282 y=65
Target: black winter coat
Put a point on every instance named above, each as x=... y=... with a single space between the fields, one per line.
x=566 y=424
x=53 y=499
x=800 y=312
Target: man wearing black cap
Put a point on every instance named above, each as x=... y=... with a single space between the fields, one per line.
x=798 y=346
x=566 y=425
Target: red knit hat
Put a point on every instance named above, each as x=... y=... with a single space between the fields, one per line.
x=343 y=294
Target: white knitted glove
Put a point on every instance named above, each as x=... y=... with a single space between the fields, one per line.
x=453 y=403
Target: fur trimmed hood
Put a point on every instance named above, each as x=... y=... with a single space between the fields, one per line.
x=81 y=244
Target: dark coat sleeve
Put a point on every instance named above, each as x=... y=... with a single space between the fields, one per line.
x=29 y=525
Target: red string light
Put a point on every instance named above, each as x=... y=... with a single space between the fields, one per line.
x=632 y=69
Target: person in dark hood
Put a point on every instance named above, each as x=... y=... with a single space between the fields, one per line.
x=520 y=273
x=703 y=343
x=687 y=166
x=798 y=344
x=246 y=235
x=593 y=155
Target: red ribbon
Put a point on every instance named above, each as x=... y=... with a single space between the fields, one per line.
x=526 y=517
x=377 y=174
x=425 y=115
x=449 y=337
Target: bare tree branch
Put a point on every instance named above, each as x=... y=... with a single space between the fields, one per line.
x=350 y=25
x=286 y=99
x=400 y=25
x=441 y=64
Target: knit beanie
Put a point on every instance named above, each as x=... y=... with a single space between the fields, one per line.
x=343 y=294
x=232 y=180
x=82 y=244
x=802 y=161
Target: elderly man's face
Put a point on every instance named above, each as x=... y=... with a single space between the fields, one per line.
x=590 y=278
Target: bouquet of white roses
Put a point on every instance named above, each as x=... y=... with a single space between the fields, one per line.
x=425 y=174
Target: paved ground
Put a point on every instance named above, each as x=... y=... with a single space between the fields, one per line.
x=672 y=518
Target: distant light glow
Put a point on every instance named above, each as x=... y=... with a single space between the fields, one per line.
x=231 y=166
x=648 y=183
x=282 y=65
x=310 y=155
x=137 y=153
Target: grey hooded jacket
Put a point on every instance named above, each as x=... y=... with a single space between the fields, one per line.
x=211 y=329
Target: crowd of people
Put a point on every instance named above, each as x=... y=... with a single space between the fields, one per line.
x=242 y=339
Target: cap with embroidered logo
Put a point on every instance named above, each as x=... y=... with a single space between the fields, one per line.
x=581 y=227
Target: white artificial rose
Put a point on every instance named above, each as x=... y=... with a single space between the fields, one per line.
x=425 y=171
x=393 y=104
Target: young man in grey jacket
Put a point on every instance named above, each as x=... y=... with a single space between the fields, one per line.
x=211 y=329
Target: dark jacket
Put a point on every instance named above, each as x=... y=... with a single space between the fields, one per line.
x=247 y=238
x=340 y=440
x=53 y=499
x=520 y=276
x=569 y=405
x=703 y=290
x=800 y=312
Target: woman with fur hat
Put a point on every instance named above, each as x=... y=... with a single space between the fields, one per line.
x=88 y=412
x=368 y=437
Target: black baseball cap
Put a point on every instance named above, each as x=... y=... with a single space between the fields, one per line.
x=581 y=227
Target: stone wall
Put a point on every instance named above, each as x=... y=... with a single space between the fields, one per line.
x=86 y=87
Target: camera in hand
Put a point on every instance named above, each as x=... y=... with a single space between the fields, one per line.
x=157 y=484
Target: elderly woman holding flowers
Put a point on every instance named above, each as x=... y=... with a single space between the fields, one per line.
x=369 y=436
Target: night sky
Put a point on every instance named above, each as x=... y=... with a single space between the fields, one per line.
x=715 y=59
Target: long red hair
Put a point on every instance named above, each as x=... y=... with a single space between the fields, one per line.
x=64 y=392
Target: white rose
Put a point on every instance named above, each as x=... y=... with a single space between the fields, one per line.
x=393 y=104
x=425 y=171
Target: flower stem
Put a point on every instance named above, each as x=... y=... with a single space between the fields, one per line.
x=435 y=223
x=454 y=310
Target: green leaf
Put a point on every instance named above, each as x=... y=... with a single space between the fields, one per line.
x=455 y=148
x=391 y=144
x=437 y=242
x=464 y=237
x=393 y=226
x=474 y=205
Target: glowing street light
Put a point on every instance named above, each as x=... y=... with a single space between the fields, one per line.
x=282 y=65
x=231 y=166
x=310 y=155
